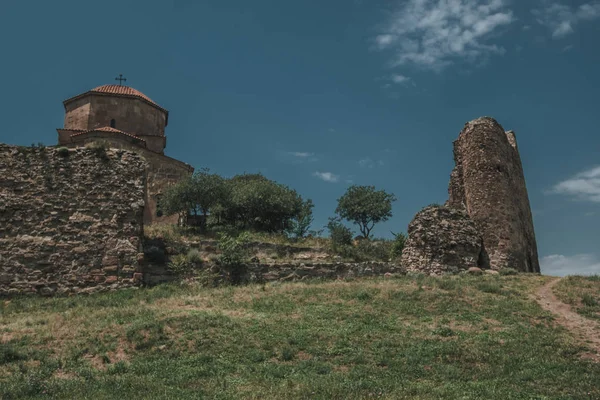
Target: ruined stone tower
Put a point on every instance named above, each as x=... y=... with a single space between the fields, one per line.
x=488 y=182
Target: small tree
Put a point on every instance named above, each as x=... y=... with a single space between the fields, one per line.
x=397 y=245
x=340 y=234
x=198 y=193
x=301 y=222
x=365 y=206
x=208 y=190
x=178 y=199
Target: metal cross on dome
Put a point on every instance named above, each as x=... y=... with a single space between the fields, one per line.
x=120 y=79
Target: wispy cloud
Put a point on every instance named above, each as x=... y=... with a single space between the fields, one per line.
x=327 y=176
x=561 y=18
x=583 y=186
x=370 y=163
x=366 y=163
x=434 y=33
x=560 y=265
x=397 y=78
x=300 y=154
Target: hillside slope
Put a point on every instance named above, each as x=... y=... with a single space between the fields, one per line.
x=412 y=337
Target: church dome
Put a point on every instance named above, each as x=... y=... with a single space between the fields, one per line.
x=118 y=90
x=122 y=90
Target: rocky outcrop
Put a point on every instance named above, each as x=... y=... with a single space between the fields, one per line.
x=442 y=240
x=71 y=221
x=488 y=183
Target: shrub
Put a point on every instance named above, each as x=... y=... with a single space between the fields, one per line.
x=234 y=254
x=588 y=300
x=340 y=234
x=367 y=250
x=179 y=265
x=194 y=257
x=234 y=251
x=508 y=271
x=99 y=148
x=62 y=152
x=300 y=224
x=397 y=245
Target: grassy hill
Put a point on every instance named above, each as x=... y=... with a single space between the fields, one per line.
x=467 y=337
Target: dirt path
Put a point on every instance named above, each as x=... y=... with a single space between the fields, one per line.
x=585 y=331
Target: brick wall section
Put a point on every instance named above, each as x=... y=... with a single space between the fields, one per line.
x=488 y=181
x=70 y=223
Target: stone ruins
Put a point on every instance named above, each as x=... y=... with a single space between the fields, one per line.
x=487 y=202
x=72 y=217
x=71 y=221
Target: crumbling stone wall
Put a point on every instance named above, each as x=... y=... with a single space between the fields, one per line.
x=162 y=172
x=283 y=272
x=442 y=240
x=488 y=182
x=71 y=221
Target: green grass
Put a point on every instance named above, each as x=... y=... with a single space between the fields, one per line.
x=581 y=292
x=409 y=337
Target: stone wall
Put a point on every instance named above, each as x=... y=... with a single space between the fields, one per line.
x=284 y=272
x=442 y=240
x=71 y=221
x=488 y=182
x=162 y=172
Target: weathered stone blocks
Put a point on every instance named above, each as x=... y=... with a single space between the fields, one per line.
x=69 y=223
x=488 y=182
x=442 y=240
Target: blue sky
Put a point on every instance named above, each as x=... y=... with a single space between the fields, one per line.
x=320 y=94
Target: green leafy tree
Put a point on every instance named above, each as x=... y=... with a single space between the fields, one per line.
x=256 y=202
x=197 y=194
x=365 y=206
x=397 y=245
x=208 y=191
x=301 y=222
x=178 y=199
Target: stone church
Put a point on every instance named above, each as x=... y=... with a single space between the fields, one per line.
x=128 y=119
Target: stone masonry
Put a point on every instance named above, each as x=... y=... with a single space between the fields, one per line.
x=71 y=221
x=442 y=240
x=488 y=182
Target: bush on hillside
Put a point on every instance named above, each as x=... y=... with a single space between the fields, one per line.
x=340 y=234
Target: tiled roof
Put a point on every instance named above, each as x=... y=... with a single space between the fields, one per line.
x=119 y=91
x=122 y=90
x=108 y=129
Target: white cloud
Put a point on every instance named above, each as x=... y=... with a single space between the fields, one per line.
x=369 y=163
x=300 y=154
x=433 y=33
x=327 y=176
x=561 y=18
x=366 y=163
x=397 y=78
x=583 y=186
x=560 y=265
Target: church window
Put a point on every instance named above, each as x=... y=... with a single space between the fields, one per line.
x=113 y=123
